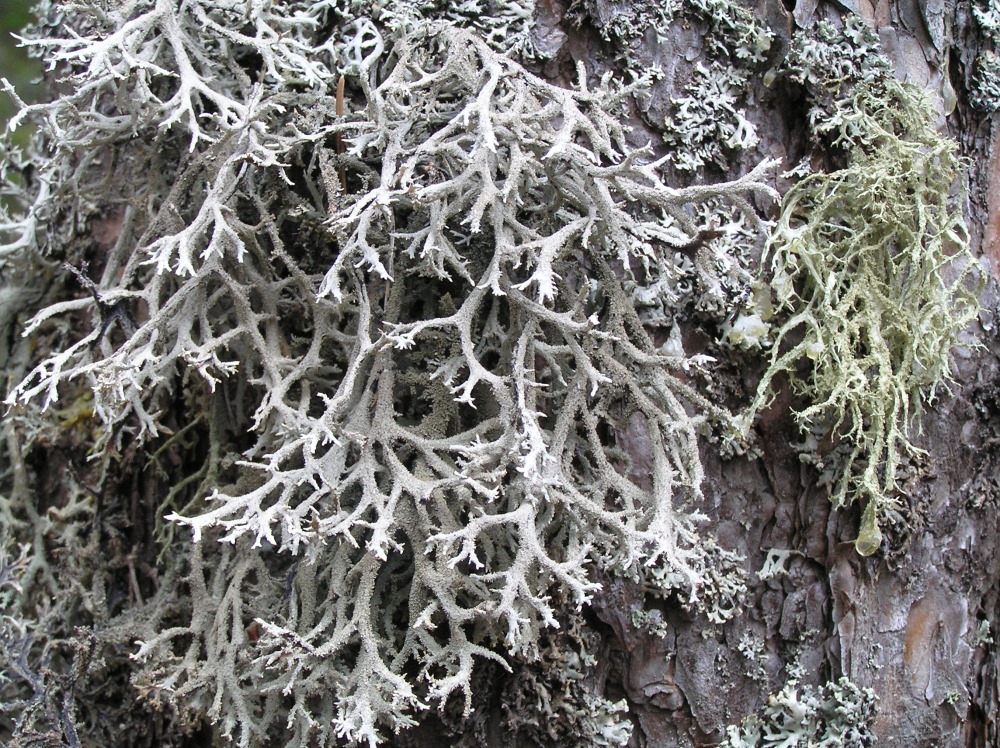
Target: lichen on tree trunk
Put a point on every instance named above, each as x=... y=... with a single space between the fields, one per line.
x=503 y=359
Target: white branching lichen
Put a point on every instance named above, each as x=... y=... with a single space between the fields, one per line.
x=392 y=306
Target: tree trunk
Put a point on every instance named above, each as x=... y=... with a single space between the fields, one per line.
x=912 y=622
x=816 y=626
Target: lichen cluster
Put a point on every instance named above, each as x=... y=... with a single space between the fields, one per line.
x=871 y=264
x=623 y=26
x=833 y=715
x=710 y=121
x=340 y=382
x=557 y=701
x=986 y=72
x=832 y=64
x=706 y=127
x=366 y=337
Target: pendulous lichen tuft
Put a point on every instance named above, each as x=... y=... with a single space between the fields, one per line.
x=871 y=266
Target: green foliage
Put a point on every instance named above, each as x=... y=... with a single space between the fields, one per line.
x=15 y=65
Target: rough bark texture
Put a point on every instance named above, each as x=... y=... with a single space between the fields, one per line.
x=903 y=622
x=912 y=622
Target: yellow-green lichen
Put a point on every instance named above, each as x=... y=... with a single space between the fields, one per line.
x=871 y=264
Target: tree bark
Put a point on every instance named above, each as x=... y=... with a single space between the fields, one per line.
x=909 y=622
x=915 y=622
